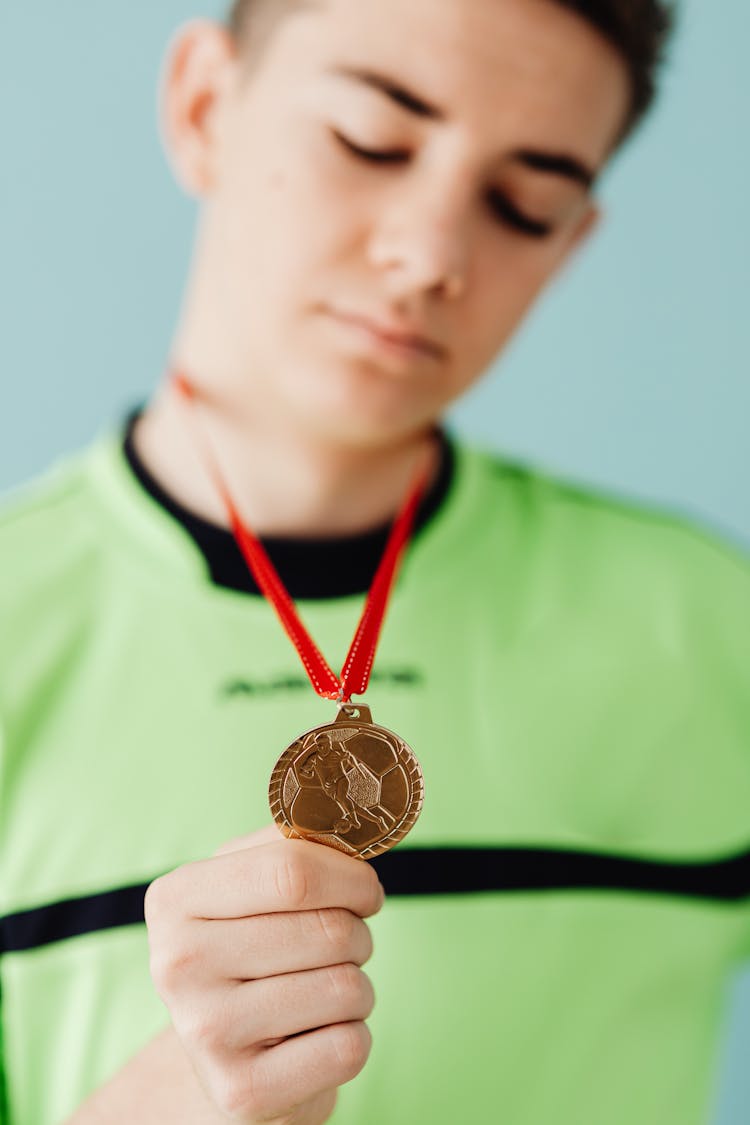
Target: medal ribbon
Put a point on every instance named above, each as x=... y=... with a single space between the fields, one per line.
x=355 y=674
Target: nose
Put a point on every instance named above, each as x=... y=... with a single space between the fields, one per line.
x=421 y=243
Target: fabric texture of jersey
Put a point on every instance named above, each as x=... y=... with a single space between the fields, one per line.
x=572 y=672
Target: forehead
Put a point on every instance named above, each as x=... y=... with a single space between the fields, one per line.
x=529 y=64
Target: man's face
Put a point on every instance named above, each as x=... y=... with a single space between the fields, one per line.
x=478 y=196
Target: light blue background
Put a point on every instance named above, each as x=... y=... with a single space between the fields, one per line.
x=633 y=373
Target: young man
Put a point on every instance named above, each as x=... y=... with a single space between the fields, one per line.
x=386 y=188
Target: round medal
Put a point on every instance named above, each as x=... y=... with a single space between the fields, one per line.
x=350 y=784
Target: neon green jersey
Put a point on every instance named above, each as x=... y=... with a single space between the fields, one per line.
x=572 y=673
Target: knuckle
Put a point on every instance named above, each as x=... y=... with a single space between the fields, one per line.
x=337 y=925
x=352 y=988
x=164 y=900
x=202 y=1031
x=233 y=1086
x=292 y=879
x=351 y=1044
x=246 y=1092
x=154 y=899
x=162 y=973
x=159 y=972
x=231 y=1091
x=207 y=1025
x=171 y=968
x=365 y=945
x=374 y=888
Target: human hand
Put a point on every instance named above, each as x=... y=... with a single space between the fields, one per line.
x=258 y=955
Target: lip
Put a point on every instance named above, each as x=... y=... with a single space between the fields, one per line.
x=401 y=339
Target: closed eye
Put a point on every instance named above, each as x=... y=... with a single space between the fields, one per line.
x=508 y=213
x=500 y=205
x=374 y=156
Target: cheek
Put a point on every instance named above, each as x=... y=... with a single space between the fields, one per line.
x=509 y=276
x=307 y=210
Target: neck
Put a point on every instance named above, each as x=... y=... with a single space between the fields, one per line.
x=284 y=484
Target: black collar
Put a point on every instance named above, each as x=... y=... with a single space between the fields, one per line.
x=310 y=568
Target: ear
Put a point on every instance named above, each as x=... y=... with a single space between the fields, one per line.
x=196 y=76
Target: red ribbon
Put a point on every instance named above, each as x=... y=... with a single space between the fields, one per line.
x=355 y=674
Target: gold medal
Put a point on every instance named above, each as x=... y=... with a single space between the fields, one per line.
x=351 y=784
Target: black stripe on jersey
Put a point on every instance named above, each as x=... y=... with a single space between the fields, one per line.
x=71 y=918
x=446 y=871
x=428 y=871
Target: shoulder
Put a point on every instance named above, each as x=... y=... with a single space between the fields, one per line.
x=587 y=538
x=53 y=552
x=46 y=525
x=562 y=506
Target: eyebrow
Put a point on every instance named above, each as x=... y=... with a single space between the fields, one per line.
x=558 y=164
x=553 y=163
x=392 y=89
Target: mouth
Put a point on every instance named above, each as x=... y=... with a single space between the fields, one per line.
x=385 y=340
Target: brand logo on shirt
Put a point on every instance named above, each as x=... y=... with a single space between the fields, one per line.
x=244 y=688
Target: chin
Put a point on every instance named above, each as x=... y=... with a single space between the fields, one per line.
x=359 y=405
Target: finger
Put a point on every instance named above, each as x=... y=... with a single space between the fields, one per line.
x=241 y=949
x=277 y=1007
x=268 y=835
x=299 y=1070
x=315 y=1111
x=275 y=878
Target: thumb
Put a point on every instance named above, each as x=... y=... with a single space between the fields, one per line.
x=268 y=835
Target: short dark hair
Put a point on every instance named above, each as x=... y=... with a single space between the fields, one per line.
x=638 y=29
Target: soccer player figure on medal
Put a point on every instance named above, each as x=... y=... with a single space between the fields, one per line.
x=335 y=769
